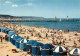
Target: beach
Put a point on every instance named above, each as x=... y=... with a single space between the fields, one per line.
x=40 y=34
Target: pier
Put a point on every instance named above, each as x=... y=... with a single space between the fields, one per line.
x=35 y=20
x=22 y=20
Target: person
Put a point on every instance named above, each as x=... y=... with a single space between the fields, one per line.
x=63 y=41
x=0 y=36
x=52 y=38
x=65 y=38
x=64 y=45
x=56 y=42
x=7 y=55
x=60 y=42
x=69 y=39
x=53 y=42
x=6 y=37
x=27 y=37
x=40 y=35
x=46 y=34
x=75 y=45
x=0 y=30
x=1 y=39
x=68 y=30
x=68 y=51
x=79 y=40
x=74 y=42
x=31 y=33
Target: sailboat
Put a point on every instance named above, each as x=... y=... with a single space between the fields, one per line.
x=60 y=19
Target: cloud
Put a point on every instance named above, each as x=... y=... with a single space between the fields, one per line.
x=29 y=4
x=8 y=2
x=30 y=0
x=14 y=5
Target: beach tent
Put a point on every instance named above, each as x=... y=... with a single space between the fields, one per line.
x=7 y=30
x=29 y=45
x=17 y=42
x=23 y=43
x=36 y=48
x=4 y=30
x=1 y=29
x=75 y=52
x=11 y=38
x=59 y=50
x=47 y=50
x=15 y=37
x=10 y=34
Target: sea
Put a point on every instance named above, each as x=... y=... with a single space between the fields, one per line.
x=61 y=25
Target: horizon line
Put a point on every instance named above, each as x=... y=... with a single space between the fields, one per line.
x=41 y=16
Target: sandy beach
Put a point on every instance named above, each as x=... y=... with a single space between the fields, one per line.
x=40 y=34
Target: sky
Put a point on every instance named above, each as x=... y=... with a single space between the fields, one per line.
x=41 y=8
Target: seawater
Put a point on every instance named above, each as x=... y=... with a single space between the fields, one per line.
x=72 y=25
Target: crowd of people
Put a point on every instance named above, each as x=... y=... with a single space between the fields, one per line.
x=55 y=37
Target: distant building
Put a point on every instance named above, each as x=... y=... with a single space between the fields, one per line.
x=67 y=17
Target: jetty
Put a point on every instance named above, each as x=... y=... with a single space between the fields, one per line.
x=36 y=20
x=22 y=20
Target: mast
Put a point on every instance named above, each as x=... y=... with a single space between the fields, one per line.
x=55 y=18
x=60 y=19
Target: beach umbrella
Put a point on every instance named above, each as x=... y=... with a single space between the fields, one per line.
x=36 y=48
x=10 y=34
x=59 y=50
x=17 y=42
x=15 y=37
x=29 y=45
x=23 y=43
x=75 y=52
x=47 y=50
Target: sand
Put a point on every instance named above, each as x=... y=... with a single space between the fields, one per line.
x=26 y=31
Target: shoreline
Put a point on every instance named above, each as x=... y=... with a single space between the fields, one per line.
x=45 y=27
